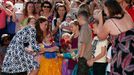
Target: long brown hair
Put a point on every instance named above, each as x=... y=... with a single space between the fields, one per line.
x=39 y=32
x=57 y=8
x=114 y=9
x=25 y=11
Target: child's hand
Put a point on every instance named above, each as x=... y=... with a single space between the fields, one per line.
x=42 y=50
x=59 y=55
x=55 y=48
x=90 y=62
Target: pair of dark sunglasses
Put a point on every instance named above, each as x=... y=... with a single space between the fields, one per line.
x=46 y=6
x=8 y=6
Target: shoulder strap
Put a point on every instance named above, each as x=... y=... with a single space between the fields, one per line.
x=116 y=25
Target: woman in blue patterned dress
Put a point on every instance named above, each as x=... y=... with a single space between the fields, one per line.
x=17 y=60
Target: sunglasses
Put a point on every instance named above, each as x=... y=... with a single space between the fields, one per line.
x=46 y=6
x=8 y=6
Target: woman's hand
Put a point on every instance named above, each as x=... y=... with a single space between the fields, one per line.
x=29 y=49
x=58 y=23
x=14 y=10
x=97 y=14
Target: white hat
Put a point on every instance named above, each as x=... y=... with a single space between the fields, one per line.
x=4 y=35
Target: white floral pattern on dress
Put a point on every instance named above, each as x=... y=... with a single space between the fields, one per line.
x=17 y=59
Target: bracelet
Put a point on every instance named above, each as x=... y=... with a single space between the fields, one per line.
x=41 y=46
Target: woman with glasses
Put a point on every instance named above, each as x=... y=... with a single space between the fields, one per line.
x=47 y=11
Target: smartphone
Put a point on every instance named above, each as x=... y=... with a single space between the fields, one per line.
x=19 y=7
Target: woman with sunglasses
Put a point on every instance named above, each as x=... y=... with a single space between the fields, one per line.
x=47 y=11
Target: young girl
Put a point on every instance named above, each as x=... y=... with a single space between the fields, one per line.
x=72 y=54
x=75 y=28
x=99 y=48
x=65 y=47
x=5 y=42
x=50 y=64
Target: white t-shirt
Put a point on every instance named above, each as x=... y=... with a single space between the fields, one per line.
x=109 y=56
x=97 y=45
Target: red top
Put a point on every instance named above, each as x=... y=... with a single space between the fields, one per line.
x=131 y=11
x=2 y=19
x=91 y=27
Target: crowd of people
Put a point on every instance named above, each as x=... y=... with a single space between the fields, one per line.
x=67 y=37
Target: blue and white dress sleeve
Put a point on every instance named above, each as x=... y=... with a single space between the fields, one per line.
x=33 y=41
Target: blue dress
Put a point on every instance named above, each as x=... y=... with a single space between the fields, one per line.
x=17 y=59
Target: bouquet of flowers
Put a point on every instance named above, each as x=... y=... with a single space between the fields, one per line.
x=65 y=45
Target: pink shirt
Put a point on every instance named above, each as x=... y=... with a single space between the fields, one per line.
x=2 y=19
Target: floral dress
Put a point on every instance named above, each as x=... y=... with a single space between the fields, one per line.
x=123 y=54
x=17 y=59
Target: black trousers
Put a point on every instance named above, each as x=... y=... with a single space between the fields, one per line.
x=21 y=73
x=83 y=68
x=99 y=68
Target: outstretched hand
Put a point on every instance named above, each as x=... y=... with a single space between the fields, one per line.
x=29 y=49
